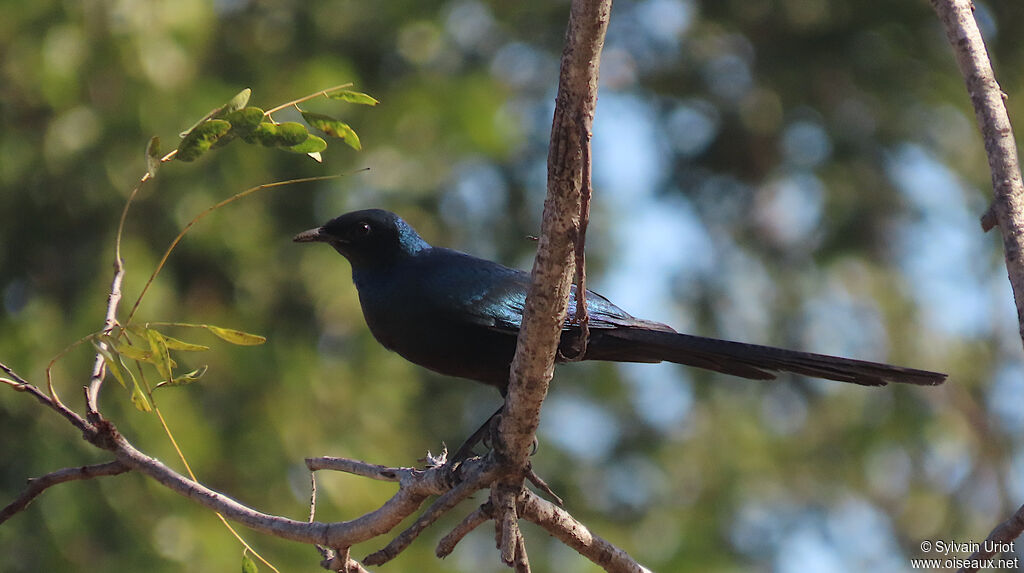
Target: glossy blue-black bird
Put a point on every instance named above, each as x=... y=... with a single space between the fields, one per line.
x=459 y=315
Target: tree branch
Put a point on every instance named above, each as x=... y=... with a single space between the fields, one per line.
x=476 y=473
x=20 y=385
x=560 y=253
x=471 y=522
x=1004 y=533
x=39 y=485
x=547 y=299
x=987 y=98
x=571 y=532
x=1007 y=209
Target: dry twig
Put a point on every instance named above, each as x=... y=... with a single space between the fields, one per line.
x=38 y=485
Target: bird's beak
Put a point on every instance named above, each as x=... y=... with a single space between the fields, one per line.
x=311 y=236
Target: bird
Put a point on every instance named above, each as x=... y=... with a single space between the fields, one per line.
x=459 y=315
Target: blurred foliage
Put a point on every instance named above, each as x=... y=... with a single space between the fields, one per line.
x=793 y=172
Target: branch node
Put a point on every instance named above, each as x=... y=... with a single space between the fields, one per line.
x=989 y=220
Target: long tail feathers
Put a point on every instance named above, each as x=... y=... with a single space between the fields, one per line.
x=745 y=360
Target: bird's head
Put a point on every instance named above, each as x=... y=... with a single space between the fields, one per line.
x=367 y=237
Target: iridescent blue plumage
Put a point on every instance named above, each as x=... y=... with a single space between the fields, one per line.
x=460 y=315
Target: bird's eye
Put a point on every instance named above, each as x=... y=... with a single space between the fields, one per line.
x=360 y=230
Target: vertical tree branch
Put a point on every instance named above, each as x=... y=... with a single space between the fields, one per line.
x=1007 y=210
x=547 y=300
x=1008 y=201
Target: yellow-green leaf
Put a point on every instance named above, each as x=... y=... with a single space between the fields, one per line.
x=140 y=400
x=184 y=379
x=333 y=127
x=313 y=144
x=351 y=139
x=114 y=364
x=237 y=336
x=248 y=565
x=132 y=353
x=160 y=353
x=353 y=97
x=136 y=329
x=201 y=138
x=175 y=344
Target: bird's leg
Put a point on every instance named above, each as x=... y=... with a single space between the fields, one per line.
x=490 y=437
x=484 y=434
x=466 y=449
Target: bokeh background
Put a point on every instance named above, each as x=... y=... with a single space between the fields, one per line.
x=802 y=173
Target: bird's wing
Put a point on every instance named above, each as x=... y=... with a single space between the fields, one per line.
x=488 y=294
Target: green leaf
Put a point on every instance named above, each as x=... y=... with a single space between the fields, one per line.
x=153 y=155
x=244 y=121
x=292 y=133
x=237 y=336
x=351 y=139
x=333 y=127
x=265 y=134
x=175 y=344
x=135 y=329
x=132 y=353
x=201 y=138
x=114 y=364
x=238 y=102
x=235 y=103
x=353 y=97
x=313 y=144
x=284 y=134
x=163 y=358
x=248 y=565
x=139 y=398
x=184 y=379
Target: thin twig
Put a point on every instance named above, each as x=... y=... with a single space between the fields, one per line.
x=469 y=523
x=506 y=521
x=476 y=476
x=356 y=467
x=20 y=385
x=521 y=564
x=38 y=485
x=312 y=496
x=571 y=532
x=296 y=102
x=18 y=380
x=199 y=217
x=92 y=391
x=543 y=485
x=582 y=315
